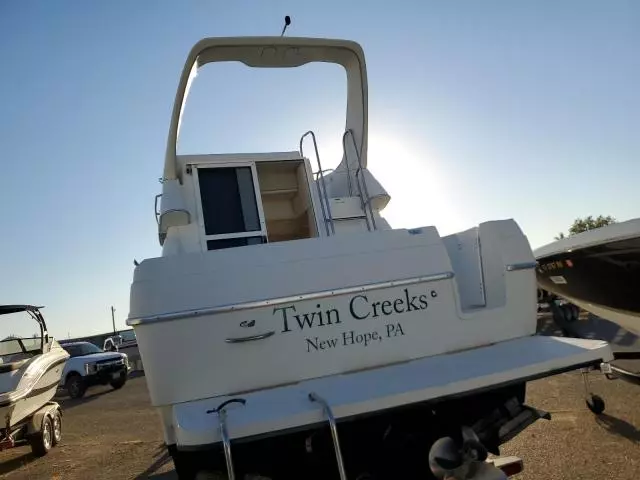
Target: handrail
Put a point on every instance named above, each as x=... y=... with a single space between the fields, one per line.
x=328 y=219
x=344 y=149
x=156 y=208
x=365 y=203
x=287 y=299
x=323 y=171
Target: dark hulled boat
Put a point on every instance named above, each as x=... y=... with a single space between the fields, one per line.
x=597 y=270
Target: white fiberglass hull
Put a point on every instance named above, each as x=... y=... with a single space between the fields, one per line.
x=388 y=337
x=31 y=386
x=276 y=314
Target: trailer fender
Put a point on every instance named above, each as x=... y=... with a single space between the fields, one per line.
x=49 y=410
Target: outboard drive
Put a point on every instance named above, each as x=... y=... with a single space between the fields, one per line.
x=449 y=461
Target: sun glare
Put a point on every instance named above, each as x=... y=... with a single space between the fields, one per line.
x=420 y=187
x=420 y=192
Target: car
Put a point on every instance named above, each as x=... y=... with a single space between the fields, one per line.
x=89 y=365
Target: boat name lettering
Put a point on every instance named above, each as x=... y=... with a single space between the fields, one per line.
x=360 y=308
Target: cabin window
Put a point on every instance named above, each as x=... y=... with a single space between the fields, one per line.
x=228 y=200
x=231 y=216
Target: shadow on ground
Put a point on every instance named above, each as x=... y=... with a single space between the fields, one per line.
x=619 y=427
x=9 y=466
x=161 y=458
x=592 y=327
x=68 y=402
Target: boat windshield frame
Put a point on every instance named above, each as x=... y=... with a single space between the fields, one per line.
x=34 y=312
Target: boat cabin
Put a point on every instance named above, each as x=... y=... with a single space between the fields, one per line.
x=219 y=201
x=236 y=200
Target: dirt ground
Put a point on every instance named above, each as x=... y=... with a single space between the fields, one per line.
x=116 y=435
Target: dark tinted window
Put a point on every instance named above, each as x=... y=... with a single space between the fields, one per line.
x=81 y=349
x=228 y=200
x=128 y=336
x=234 y=242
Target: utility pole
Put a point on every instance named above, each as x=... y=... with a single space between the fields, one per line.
x=113 y=319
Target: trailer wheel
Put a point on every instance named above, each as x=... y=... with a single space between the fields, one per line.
x=575 y=313
x=569 y=312
x=596 y=404
x=42 y=441
x=57 y=428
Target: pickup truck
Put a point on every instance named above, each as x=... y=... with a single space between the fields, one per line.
x=89 y=365
x=124 y=339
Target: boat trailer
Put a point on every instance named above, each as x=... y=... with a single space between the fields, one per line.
x=42 y=430
x=565 y=315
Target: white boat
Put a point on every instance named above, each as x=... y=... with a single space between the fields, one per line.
x=30 y=370
x=288 y=323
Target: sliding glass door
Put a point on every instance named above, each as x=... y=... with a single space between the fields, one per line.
x=230 y=212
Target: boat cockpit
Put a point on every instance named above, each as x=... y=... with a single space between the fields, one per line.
x=16 y=351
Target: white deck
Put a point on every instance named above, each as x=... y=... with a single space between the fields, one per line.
x=368 y=391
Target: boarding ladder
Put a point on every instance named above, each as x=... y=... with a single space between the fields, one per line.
x=312 y=396
x=361 y=183
x=322 y=193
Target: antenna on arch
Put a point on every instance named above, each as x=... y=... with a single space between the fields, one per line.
x=287 y=22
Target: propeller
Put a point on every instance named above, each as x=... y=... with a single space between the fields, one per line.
x=446 y=456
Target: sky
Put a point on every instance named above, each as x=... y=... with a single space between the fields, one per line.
x=478 y=110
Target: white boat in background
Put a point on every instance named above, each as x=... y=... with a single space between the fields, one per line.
x=597 y=270
x=288 y=331
x=30 y=370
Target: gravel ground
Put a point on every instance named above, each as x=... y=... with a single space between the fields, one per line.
x=116 y=435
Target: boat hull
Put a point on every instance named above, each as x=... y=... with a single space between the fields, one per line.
x=31 y=386
x=269 y=315
x=603 y=279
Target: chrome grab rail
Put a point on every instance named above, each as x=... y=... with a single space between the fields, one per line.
x=250 y=338
x=324 y=198
x=362 y=185
x=235 y=307
x=156 y=208
x=314 y=397
x=326 y=170
x=224 y=434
